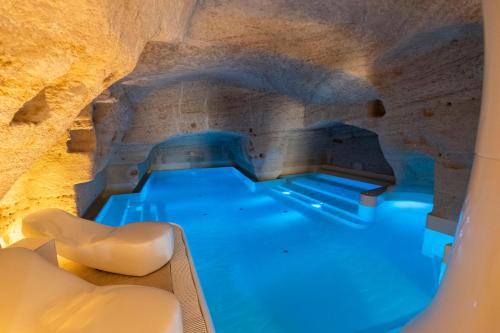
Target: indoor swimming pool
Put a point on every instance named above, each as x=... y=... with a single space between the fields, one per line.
x=293 y=255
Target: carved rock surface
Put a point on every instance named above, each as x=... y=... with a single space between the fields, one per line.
x=57 y=56
x=303 y=82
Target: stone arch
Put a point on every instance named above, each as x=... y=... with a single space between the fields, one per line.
x=202 y=149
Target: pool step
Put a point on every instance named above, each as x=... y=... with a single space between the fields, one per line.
x=356 y=185
x=342 y=198
x=345 y=189
x=141 y=211
x=342 y=193
x=315 y=206
x=330 y=195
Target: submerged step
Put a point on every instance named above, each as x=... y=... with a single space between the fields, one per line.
x=150 y=212
x=324 y=184
x=312 y=205
x=355 y=185
x=337 y=196
x=141 y=211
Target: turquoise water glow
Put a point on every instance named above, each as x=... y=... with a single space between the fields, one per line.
x=294 y=255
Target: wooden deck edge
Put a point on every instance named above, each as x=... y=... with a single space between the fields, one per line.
x=187 y=288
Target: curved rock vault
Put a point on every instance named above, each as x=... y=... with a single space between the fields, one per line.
x=301 y=83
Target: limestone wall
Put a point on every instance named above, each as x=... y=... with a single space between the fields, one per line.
x=55 y=58
x=279 y=73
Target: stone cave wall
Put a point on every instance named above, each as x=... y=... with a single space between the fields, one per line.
x=305 y=83
x=278 y=141
x=200 y=150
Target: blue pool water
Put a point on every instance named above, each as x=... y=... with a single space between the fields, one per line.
x=292 y=255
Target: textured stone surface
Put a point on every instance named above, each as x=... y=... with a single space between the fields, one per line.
x=56 y=56
x=280 y=74
x=273 y=126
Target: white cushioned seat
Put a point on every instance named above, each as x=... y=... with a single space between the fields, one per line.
x=133 y=249
x=38 y=297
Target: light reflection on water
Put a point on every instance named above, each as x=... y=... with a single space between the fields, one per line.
x=270 y=266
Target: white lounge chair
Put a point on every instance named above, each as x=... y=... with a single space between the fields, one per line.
x=38 y=297
x=133 y=249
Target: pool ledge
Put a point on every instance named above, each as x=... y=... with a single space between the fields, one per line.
x=187 y=287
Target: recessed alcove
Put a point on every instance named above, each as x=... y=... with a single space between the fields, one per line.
x=33 y=111
x=198 y=150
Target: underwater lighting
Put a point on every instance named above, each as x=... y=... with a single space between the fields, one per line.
x=259 y=209
x=410 y=204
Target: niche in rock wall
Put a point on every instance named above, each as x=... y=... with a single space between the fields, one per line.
x=355 y=148
x=34 y=111
x=204 y=149
x=376 y=109
x=335 y=144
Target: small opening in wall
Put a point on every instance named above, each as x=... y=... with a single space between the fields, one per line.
x=376 y=109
